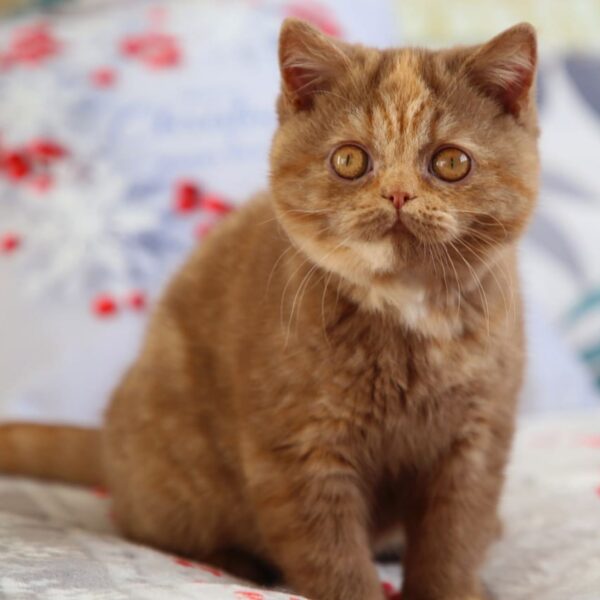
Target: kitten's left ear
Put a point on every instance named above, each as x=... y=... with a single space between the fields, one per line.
x=504 y=68
x=309 y=62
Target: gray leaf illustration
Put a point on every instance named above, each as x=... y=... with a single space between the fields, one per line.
x=548 y=236
x=584 y=71
x=556 y=182
x=540 y=88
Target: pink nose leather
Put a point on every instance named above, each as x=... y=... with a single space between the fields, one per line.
x=398 y=198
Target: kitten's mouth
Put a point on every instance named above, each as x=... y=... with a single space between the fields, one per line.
x=399 y=226
x=384 y=225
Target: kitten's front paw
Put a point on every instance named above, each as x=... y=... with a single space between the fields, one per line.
x=481 y=594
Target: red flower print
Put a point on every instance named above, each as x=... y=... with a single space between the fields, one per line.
x=156 y=50
x=9 y=242
x=104 y=305
x=314 y=13
x=32 y=44
x=103 y=77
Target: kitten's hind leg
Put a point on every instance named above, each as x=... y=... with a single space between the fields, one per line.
x=171 y=486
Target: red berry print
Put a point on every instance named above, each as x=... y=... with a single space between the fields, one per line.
x=137 y=300
x=390 y=592
x=131 y=45
x=157 y=15
x=9 y=242
x=156 y=50
x=388 y=588
x=216 y=204
x=104 y=77
x=16 y=165
x=41 y=183
x=46 y=150
x=187 y=197
x=590 y=441
x=249 y=595
x=32 y=44
x=211 y=570
x=314 y=13
x=183 y=562
x=100 y=491
x=202 y=230
x=104 y=305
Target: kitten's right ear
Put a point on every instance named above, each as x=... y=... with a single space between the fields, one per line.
x=504 y=68
x=309 y=62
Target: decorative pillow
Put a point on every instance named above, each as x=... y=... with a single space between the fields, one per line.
x=126 y=132
x=562 y=252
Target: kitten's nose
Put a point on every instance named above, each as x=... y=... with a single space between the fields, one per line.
x=398 y=198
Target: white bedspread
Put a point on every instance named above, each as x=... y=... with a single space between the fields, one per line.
x=57 y=542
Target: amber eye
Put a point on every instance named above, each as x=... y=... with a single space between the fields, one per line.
x=350 y=161
x=450 y=164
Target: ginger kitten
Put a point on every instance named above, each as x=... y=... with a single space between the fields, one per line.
x=341 y=358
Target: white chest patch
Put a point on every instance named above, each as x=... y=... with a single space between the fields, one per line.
x=411 y=305
x=408 y=301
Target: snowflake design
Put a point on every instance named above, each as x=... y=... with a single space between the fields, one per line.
x=26 y=92
x=90 y=233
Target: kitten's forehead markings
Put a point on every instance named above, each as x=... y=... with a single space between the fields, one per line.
x=402 y=106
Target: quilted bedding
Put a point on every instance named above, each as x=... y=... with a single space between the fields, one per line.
x=58 y=542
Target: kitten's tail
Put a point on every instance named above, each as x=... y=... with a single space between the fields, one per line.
x=68 y=454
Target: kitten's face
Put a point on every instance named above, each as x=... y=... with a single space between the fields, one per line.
x=395 y=160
